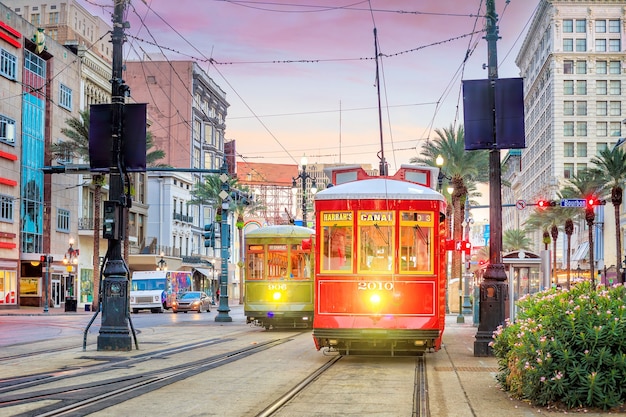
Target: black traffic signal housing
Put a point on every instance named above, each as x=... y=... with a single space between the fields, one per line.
x=209 y=235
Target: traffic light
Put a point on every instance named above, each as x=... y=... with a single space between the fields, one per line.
x=593 y=201
x=545 y=203
x=467 y=247
x=209 y=235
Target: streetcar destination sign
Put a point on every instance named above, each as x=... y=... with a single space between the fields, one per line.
x=573 y=202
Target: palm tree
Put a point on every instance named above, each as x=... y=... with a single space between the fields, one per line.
x=515 y=239
x=77 y=131
x=611 y=164
x=463 y=170
x=584 y=184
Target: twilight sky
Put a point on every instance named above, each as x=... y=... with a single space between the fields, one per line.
x=300 y=75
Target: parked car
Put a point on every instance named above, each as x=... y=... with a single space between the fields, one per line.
x=192 y=301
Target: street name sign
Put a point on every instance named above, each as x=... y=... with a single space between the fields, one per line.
x=573 y=202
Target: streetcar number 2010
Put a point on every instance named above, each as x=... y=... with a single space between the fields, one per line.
x=376 y=285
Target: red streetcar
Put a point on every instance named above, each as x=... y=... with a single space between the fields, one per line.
x=380 y=276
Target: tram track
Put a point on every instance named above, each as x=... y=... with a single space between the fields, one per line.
x=59 y=397
x=420 y=392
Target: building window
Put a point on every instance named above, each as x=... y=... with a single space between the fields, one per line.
x=197 y=130
x=581 y=129
x=601 y=87
x=601 y=129
x=615 y=87
x=581 y=87
x=581 y=149
x=581 y=25
x=601 y=146
x=568 y=149
x=581 y=108
x=65 y=97
x=6 y=208
x=614 y=26
x=616 y=128
x=615 y=45
x=568 y=170
x=581 y=45
x=600 y=67
x=568 y=67
x=615 y=108
x=580 y=168
x=63 y=220
x=568 y=128
x=581 y=67
x=7 y=130
x=35 y=19
x=568 y=26
x=53 y=18
x=8 y=64
x=568 y=45
x=568 y=108
x=600 y=45
x=615 y=67
x=600 y=26
x=196 y=157
x=568 y=87
x=601 y=108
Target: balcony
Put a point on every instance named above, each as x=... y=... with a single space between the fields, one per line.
x=182 y=218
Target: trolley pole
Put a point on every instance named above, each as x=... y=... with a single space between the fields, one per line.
x=114 y=330
x=493 y=287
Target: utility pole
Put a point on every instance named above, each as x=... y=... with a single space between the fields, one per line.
x=114 y=330
x=493 y=288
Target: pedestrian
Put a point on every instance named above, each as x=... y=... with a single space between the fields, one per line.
x=217 y=294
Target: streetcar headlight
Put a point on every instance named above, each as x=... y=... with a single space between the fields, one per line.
x=375 y=299
x=277 y=295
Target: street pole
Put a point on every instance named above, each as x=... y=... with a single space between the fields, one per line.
x=114 y=330
x=223 y=308
x=46 y=284
x=303 y=180
x=467 y=305
x=493 y=287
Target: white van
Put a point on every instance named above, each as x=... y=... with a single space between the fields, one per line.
x=155 y=290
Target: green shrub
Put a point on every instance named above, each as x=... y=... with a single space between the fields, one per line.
x=566 y=348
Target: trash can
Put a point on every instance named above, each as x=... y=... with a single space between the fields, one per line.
x=87 y=307
x=70 y=304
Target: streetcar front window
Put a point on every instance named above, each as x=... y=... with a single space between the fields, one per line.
x=337 y=248
x=416 y=237
x=376 y=241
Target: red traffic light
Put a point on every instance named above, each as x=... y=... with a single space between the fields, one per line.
x=42 y=259
x=545 y=203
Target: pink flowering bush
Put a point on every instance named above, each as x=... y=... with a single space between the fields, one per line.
x=566 y=348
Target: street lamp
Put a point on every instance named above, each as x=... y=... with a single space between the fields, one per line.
x=70 y=260
x=303 y=176
x=162 y=265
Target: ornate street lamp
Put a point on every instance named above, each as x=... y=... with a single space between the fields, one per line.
x=303 y=176
x=70 y=260
x=162 y=265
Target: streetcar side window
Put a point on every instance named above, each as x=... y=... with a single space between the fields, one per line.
x=416 y=237
x=300 y=263
x=256 y=265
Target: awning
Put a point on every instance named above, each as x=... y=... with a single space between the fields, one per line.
x=206 y=272
x=582 y=252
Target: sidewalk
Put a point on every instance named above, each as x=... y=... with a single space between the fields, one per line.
x=462 y=385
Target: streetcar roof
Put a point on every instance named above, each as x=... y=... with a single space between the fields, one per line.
x=284 y=230
x=379 y=189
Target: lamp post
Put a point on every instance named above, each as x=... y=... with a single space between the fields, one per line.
x=303 y=176
x=162 y=264
x=70 y=260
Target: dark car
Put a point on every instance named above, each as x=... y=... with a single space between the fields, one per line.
x=192 y=301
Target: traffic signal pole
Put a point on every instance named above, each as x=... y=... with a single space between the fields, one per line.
x=114 y=330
